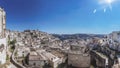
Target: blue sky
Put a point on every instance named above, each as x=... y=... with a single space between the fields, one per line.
x=62 y=16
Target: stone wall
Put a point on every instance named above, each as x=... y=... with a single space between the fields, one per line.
x=3 y=52
x=37 y=63
x=79 y=60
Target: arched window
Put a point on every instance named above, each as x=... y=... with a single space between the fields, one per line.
x=34 y=64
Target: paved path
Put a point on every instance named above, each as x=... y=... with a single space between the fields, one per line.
x=14 y=61
x=11 y=66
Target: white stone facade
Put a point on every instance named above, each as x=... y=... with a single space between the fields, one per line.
x=3 y=52
x=3 y=39
x=2 y=23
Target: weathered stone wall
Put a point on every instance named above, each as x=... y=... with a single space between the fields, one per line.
x=78 y=60
x=36 y=63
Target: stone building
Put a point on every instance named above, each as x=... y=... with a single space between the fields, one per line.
x=77 y=57
x=36 y=61
x=2 y=23
x=100 y=60
x=78 y=60
x=3 y=40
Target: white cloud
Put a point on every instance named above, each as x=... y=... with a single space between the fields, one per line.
x=104 y=10
x=94 y=11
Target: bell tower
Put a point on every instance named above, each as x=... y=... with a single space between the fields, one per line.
x=2 y=23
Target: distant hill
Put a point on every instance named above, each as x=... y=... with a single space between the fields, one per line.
x=77 y=36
